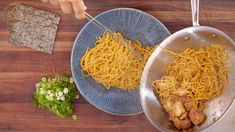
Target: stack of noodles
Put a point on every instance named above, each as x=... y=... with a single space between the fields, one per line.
x=112 y=64
x=200 y=73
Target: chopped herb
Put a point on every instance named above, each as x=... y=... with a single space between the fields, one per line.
x=74 y=117
x=57 y=94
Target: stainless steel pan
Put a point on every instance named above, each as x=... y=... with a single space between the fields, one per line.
x=195 y=36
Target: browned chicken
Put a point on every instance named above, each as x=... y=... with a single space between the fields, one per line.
x=187 y=102
x=178 y=109
x=188 y=130
x=168 y=105
x=182 y=124
x=181 y=112
x=196 y=117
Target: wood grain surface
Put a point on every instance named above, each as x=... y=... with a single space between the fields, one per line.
x=21 y=68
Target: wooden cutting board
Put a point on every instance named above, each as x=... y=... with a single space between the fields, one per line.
x=21 y=68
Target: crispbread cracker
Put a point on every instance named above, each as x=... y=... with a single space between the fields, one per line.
x=33 y=28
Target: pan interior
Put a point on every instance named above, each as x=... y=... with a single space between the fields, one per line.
x=193 y=37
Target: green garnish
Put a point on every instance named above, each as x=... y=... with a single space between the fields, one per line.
x=57 y=94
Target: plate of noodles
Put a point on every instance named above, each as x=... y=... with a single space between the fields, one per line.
x=107 y=73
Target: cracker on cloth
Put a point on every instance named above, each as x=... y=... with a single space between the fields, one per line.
x=33 y=28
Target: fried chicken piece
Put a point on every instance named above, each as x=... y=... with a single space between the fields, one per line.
x=182 y=124
x=196 y=116
x=188 y=130
x=187 y=102
x=168 y=105
x=178 y=109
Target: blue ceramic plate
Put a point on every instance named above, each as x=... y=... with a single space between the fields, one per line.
x=134 y=25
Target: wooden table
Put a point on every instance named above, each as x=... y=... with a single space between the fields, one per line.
x=21 y=68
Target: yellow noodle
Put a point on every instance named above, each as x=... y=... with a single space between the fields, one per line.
x=111 y=64
x=201 y=71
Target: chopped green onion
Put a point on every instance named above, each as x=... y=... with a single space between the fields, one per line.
x=57 y=94
x=66 y=90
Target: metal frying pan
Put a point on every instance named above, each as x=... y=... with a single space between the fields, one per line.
x=192 y=37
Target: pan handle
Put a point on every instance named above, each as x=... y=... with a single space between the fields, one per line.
x=195 y=12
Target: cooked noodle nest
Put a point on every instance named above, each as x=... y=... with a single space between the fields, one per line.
x=112 y=64
x=199 y=73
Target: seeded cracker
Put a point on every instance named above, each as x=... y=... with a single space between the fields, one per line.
x=33 y=28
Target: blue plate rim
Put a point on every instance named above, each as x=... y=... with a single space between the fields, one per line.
x=73 y=48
